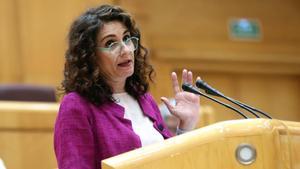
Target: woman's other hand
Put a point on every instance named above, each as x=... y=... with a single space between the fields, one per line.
x=187 y=105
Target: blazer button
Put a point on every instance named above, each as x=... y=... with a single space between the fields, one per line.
x=160 y=127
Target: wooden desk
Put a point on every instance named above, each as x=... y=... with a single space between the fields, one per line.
x=26 y=134
x=277 y=145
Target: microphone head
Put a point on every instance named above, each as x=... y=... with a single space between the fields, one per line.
x=186 y=87
x=208 y=89
x=201 y=84
x=189 y=88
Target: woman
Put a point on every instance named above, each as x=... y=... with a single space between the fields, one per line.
x=107 y=110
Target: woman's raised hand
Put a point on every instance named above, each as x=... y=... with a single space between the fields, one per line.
x=187 y=105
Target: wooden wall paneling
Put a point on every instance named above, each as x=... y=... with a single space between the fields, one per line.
x=226 y=84
x=41 y=41
x=198 y=29
x=194 y=35
x=276 y=94
x=44 y=26
x=10 y=63
x=260 y=89
x=162 y=85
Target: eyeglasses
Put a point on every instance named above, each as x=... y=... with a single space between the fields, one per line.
x=115 y=47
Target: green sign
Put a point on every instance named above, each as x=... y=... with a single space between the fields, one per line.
x=244 y=29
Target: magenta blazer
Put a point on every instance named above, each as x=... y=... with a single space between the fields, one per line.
x=86 y=134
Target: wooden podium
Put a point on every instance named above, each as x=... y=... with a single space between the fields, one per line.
x=26 y=134
x=251 y=144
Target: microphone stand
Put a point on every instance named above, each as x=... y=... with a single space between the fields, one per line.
x=190 y=88
x=210 y=90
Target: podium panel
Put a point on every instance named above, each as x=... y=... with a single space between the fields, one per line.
x=235 y=144
x=26 y=134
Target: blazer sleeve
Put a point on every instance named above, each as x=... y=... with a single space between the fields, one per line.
x=74 y=143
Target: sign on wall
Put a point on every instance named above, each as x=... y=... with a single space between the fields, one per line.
x=245 y=29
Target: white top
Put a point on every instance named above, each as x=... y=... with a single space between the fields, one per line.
x=141 y=124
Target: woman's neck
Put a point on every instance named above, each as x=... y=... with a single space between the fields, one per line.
x=118 y=86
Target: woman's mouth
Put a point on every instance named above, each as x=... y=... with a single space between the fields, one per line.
x=125 y=63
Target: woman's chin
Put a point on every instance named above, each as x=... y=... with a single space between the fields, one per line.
x=126 y=71
x=125 y=74
x=128 y=74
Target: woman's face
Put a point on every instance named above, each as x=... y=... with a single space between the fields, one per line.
x=116 y=63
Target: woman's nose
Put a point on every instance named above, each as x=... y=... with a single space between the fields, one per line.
x=125 y=48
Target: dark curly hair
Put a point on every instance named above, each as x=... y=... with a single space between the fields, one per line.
x=82 y=73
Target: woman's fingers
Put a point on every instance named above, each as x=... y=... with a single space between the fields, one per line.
x=175 y=84
x=187 y=77
x=184 y=76
x=168 y=104
x=190 y=77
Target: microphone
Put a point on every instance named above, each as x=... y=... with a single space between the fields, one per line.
x=210 y=90
x=190 y=88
